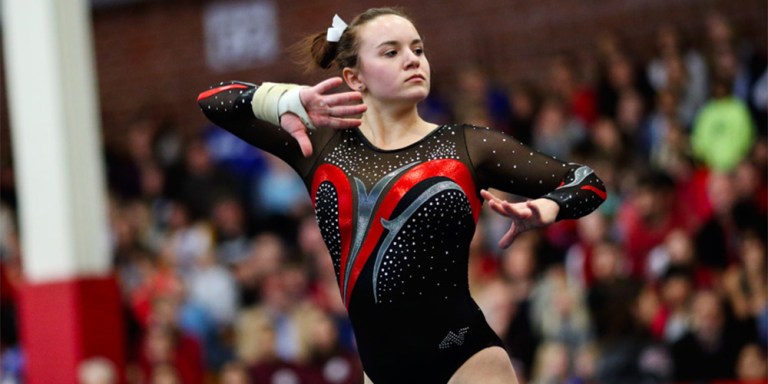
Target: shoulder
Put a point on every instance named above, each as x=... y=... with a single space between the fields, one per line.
x=482 y=134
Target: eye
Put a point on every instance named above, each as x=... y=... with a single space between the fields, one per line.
x=391 y=53
x=418 y=51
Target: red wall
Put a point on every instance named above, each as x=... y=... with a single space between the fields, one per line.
x=151 y=55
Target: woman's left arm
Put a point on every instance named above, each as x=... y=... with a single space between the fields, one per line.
x=503 y=163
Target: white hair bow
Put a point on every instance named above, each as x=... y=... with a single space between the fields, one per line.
x=335 y=31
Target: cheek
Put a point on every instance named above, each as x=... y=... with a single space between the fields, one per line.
x=370 y=71
x=379 y=77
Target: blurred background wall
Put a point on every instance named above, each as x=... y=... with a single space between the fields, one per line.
x=151 y=54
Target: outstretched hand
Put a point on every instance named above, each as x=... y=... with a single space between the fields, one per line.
x=338 y=111
x=525 y=215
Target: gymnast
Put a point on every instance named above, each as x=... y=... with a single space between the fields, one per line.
x=397 y=198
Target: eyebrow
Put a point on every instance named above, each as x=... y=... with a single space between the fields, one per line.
x=393 y=42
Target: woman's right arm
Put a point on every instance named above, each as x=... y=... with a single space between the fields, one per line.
x=230 y=105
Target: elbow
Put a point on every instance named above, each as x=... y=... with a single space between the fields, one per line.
x=227 y=101
x=596 y=186
x=581 y=193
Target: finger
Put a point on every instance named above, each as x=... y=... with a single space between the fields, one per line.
x=508 y=237
x=347 y=110
x=342 y=98
x=293 y=125
x=517 y=210
x=328 y=84
x=489 y=196
x=498 y=208
x=304 y=143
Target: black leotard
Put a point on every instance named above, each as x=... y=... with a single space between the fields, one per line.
x=398 y=224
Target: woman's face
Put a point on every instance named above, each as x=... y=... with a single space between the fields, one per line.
x=392 y=64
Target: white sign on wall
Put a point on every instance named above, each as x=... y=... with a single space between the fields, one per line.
x=240 y=34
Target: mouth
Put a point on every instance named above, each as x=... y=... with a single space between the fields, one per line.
x=416 y=77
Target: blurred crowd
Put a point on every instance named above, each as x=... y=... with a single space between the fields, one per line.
x=225 y=277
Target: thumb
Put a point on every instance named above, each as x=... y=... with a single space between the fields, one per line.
x=303 y=140
x=298 y=131
x=507 y=239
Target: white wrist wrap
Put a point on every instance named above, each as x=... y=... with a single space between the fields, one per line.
x=272 y=100
x=291 y=102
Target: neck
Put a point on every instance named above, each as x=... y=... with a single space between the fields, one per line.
x=388 y=127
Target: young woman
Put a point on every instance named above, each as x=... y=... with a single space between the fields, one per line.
x=397 y=197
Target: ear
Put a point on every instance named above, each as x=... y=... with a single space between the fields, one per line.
x=353 y=79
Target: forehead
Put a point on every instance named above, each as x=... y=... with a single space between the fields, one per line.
x=387 y=28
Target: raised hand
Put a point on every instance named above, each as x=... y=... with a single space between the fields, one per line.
x=525 y=215
x=337 y=111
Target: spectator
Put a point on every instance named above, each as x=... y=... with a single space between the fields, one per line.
x=662 y=119
x=627 y=353
x=524 y=105
x=584 y=365
x=620 y=75
x=159 y=207
x=328 y=362
x=578 y=98
x=647 y=217
x=266 y=254
x=480 y=102
x=96 y=370
x=632 y=119
x=677 y=288
x=520 y=271
x=165 y=373
x=709 y=350
x=233 y=154
x=200 y=182
x=592 y=231
x=234 y=372
x=745 y=284
x=715 y=245
x=559 y=311
x=723 y=131
x=610 y=143
x=552 y=364
x=167 y=353
x=678 y=251
x=751 y=364
x=187 y=240
x=213 y=288
x=555 y=133
x=266 y=366
x=279 y=191
x=679 y=68
x=281 y=310
x=230 y=230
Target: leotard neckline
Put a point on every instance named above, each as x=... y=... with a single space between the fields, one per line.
x=393 y=150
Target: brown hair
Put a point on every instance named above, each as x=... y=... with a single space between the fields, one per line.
x=315 y=51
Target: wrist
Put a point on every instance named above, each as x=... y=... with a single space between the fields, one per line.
x=549 y=209
x=272 y=100
x=291 y=102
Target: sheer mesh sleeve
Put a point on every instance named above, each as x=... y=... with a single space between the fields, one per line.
x=503 y=163
x=228 y=105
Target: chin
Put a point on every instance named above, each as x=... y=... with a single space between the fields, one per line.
x=417 y=95
x=410 y=96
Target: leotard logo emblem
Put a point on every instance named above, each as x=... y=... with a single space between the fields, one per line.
x=454 y=338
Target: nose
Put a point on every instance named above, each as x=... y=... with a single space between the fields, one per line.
x=412 y=60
